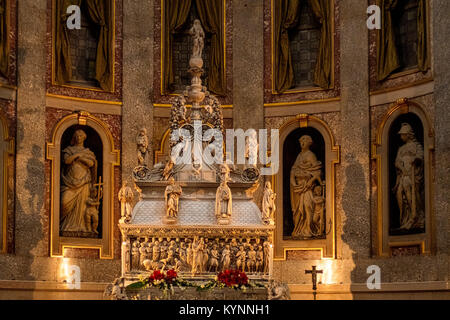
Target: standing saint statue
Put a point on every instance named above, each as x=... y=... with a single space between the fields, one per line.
x=79 y=174
x=223 y=201
x=142 y=146
x=268 y=204
x=408 y=189
x=198 y=36
x=126 y=197
x=305 y=175
x=172 y=196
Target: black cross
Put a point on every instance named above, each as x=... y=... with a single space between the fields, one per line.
x=314 y=273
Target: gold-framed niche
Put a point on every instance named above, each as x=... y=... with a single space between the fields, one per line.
x=110 y=158
x=326 y=150
x=385 y=151
x=6 y=151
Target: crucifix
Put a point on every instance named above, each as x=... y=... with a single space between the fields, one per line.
x=100 y=188
x=314 y=273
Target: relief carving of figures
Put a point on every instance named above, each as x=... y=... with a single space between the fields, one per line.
x=268 y=204
x=198 y=37
x=142 y=146
x=172 y=196
x=200 y=255
x=78 y=178
x=126 y=197
x=408 y=189
x=304 y=178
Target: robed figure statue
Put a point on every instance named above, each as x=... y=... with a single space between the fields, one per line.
x=305 y=176
x=408 y=189
x=79 y=174
x=223 y=201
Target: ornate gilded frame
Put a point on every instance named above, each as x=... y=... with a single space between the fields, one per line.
x=111 y=159
x=380 y=153
x=327 y=247
x=8 y=150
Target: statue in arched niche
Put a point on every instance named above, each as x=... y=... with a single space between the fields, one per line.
x=78 y=178
x=408 y=189
x=306 y=192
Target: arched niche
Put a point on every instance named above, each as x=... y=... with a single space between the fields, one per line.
x=100 y=142
x=388 y=155
x=324 y=148
x=6 y=150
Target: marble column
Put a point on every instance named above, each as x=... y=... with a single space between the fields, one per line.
x=31 y=219
x=248 y=64
x=137 y=111
x=354 y=209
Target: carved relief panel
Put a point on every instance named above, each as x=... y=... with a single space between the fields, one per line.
x=83 y=159
x=402 y=151
x=305 y=219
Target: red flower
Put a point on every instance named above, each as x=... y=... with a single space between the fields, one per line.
x=157 y=275
x=171 y=275
x=232 y=277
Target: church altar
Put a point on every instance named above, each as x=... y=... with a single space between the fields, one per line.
x=194 y=217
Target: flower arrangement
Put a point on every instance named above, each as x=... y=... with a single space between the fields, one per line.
x=234 y=279
x=162 y=280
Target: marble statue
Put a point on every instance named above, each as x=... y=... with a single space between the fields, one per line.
x=198 y=36
x=116 y=290
x=259 y=259
x=79 y=174
x=226 y=259
x=142 y=146
x=126 y=197
x=135 y=255
x=172 y=196
x=214 y=259
x=268 y=204
x=198 y=247
x=240 y=259
x=251 y=148
x=266 y=248
x=278 y=291
x=319 y=210
x=251 y=259
x=408 y=189
x=223 y=201
x=304 y=177
x=91 y=216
